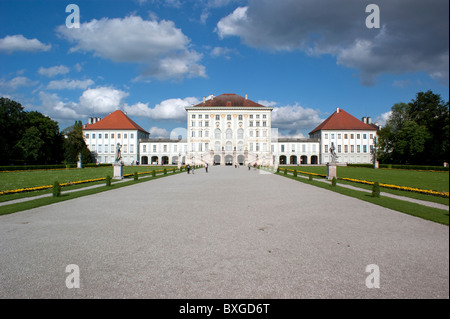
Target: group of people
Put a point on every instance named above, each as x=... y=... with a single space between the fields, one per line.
x=190 y=168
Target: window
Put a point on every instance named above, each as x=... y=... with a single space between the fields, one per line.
x=352 y=149
x=93 y=136
x=144 y=148
x=264 y=123
x=93 y=148
x=131 y=148
x=206 y=147
x=118 y=135
x=257 y=147
x=257 y=116
x=251 y=133
x=339 y=148
x=193 y=134
x=131 y=135
x=154 y=148
x=100 y=148
x=257 y=133
x=339 y=136
x=332 y=136
x=217 y=146
x=326 y=136
x=125 y=148
x=251 y=116
x=200 y=134
x=346 y=148
x=257 y=123
x=345 y=136
x=112 y=135
x=207 y=123
x=371 y=136
x=206 y=133
x=241 y=146
x=264 y=116
x=99 y=135
x=358 y=148
x=364 y=148
x=265 y=147
x=125 y=135
x=240 y=117
x=240 y=133
x=293 y=148
x=217 y=117
x=200 y=147
x=364 y=136
x=106 y=135
x=217 y=134
x=192 y=147
x=113 y=150
x=251 y=123
x=358 y=136
x=282 y=148
x=352 y=136
x=303 y=148
x=229 y=134
x=326 y=149
x=193 y=124
x=314 y=148
x=229 y=117
x=193 y=116
x=175 y=148
x=200 y=116
x=165 y=148
x=229 y=146
x=251 y=147
x=87 y=135
x=200 y=123
x=106 y=148
x=265 y=133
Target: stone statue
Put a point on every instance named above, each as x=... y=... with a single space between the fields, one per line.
x=374 y=152
x=333 y=153
x=118 y=154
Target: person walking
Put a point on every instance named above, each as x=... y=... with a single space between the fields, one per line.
x=249 y=166
x=206 y=167
x=188 y=168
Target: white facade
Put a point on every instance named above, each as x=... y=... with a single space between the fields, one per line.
x=229 y=133
x=102 y=144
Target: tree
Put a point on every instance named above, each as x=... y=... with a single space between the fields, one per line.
x=30 y=145
x=12 y=117
x=74 y=144
x=417 y=132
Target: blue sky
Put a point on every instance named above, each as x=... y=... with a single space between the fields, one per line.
x=151 y=58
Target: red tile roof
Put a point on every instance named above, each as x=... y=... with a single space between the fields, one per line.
x=230 y=100
x=341 y=120
x=115 y=121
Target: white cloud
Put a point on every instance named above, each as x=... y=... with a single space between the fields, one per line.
x=102 y=99
x=54 y=70
x=413 y=37
x=53 y=106
x=158 y=44
x=70 y=84
x=17 y=82
x=223 y=52
x=13 y=43
x=171 y=109
x=157 y=132
x=383 y=118
x=295 y=119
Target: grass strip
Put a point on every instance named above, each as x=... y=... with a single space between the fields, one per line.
x=428 y=213
x=13 y=208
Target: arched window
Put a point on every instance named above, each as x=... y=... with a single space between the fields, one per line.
x=217 y=134
x=217 y=146
x=240 y=134
x=240 y=146
x=229 y=134
x=229 y=146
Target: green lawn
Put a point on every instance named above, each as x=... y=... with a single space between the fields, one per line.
x=438 y=181
x=25 y=179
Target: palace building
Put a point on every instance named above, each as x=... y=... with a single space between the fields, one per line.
x=230 y=129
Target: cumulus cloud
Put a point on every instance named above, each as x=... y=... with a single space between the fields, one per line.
x=223 y=52
x=54 y=70
x=17 y=82
x=171 y=109
x=70 y=84
x=157 y=132
x=294 y=119
x=103 y=99
x=53 y=106
x=159 y=45
x=13 y=43
x=413 y=37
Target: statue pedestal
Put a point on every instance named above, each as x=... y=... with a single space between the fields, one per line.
x=118 y=171
x=376 y=165
x=79 y=165
x=331 y=171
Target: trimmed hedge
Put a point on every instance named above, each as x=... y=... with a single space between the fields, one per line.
x=398 y=166
x=37 y=167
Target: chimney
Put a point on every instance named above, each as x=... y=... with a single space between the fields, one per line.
x=364 y=120
x=369 y=120
x=337 y=110
x=90 y=121
x=246 y=96
x=212 y=97
x=204 y=99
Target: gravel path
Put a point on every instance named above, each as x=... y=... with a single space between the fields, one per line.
x=231 y=233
